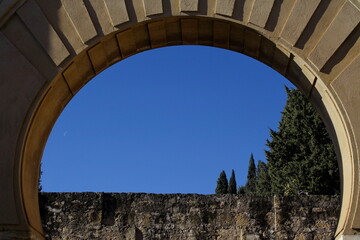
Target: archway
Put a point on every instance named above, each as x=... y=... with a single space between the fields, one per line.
x=58 y=52
x=158 y=128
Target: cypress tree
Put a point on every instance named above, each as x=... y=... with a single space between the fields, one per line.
x=301 y=157
x=222 y=184
x=250 y=187
x=39 y=180
x=232 y=183
x=241 y=190
x=263 y=186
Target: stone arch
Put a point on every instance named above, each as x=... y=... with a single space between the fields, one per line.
x=50 y=49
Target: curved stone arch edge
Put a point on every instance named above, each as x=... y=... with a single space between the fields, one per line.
x=60 y=89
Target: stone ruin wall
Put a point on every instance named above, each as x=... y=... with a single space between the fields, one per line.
x=140 y=216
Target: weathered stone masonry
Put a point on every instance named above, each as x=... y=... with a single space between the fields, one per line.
x=138 y=216
x=50 y=49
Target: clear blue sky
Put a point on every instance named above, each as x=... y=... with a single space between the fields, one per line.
x=165 y=121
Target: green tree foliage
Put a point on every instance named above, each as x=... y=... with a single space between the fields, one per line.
x=263 y=186
x=250 y=187
x=241 y=190
x=301 y=157
x=39 y=180
x=232 y=183
x=222 y=184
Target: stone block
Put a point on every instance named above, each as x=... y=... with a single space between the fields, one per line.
x=189 y=5
x=189 y=30
x=340 y=28
x=157 y=34
x=117 y=11
x=252 y=43
x=127 y=43
x=78 y=73
x=225 y=7
x=299 y=17
x=142 y=36
x=80 y=18
x=35 y=20
x=260 y=12
x=153 y=7
x=17 y=75
x=221 y=34
x=98 y=57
